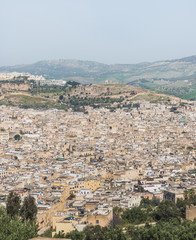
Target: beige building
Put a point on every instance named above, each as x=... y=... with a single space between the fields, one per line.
x=64 y=226
x=92 y=184
x=102 y=217
x=4 y=136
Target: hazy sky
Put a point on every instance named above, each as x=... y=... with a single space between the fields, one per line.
x=108 y=31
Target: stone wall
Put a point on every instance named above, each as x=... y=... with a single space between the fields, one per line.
x=191 y=213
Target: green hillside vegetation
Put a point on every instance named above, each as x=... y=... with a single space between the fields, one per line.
x=25 y=101
x=46 y=90
x=78 y=97
x=153 y=98
x=185 y=89
x=190 y=96
x=176 y=77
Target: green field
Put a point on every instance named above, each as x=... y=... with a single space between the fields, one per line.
x=25 y=101
x=153 y=98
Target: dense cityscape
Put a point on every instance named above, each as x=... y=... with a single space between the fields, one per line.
x=97 y=120
x=88 y=168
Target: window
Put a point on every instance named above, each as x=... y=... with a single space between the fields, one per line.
x=97 y=221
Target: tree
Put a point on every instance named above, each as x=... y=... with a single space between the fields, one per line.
x=155 y=201
x=190 y=197
x=76 y=235
x=115 y=234
x=117 y=216
x=13 y=204
x=73 y=235
x=166 y=211
x=135 y=215
x=94 y=233
x=186 y=194
x=104 y=233
x=47 y=233
x=191 y=193
x=173 y=229
x=61 y=97
x=59 y=235
x=181 y=205
x=146 y=202
x=14 y=228
x=17 y=137
x=29 y=209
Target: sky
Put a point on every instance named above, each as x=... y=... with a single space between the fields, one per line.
x=107 y=31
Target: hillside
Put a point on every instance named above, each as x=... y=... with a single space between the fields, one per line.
x=25 y=101
x=80 y=98
x=175 y=77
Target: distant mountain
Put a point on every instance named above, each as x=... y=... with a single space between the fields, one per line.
x=187 y=59
x=176 y=77
x=59 y=68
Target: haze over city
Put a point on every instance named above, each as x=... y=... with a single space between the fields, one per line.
x=111 y=31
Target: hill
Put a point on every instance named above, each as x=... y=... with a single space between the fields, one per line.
x=80 y=98
x=175 y=77
x=26 y=101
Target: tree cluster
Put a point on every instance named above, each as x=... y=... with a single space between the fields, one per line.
x=17 y=222
x=96 y=233
x=15 y=228
x=174 y=229
x=28 y=210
